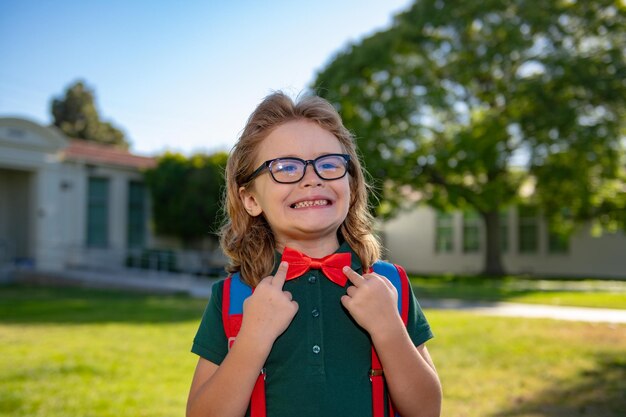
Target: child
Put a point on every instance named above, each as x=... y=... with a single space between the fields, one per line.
x=295 y=186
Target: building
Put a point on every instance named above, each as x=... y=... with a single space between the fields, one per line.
x=67 y=203
x=424 y=240
x=74 y=204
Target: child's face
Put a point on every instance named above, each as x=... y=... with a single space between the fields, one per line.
x=285 y=205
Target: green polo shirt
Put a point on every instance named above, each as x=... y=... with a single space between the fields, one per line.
x=319 y=366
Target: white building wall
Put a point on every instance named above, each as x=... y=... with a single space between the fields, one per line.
x=21 y=159
x=72 y=216
x=29 y=147
x=53 y=218
x=116 y=251
x=588 y=256
x=50 y=244
x=410 y=239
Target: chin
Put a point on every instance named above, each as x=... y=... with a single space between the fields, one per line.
x=321 y=231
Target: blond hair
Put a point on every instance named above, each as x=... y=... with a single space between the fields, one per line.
x=247 y=240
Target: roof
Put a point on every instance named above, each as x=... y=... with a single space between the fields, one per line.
x=96 y=153
x=21 y=132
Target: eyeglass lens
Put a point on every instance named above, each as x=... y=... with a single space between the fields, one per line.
x=327 y=167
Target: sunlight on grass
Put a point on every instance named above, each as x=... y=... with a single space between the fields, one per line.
x=70 y=352
x=493 y=366
x=107 y=369
x=579 y=293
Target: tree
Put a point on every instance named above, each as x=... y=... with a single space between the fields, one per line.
x=481 y=104
x=76 y=115
x=187 y=194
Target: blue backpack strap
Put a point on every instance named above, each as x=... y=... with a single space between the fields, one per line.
x=239 y=291
x=398 y=277
x=389 y=271
x=234 y=294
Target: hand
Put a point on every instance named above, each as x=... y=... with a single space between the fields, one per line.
x=372 y=301
x=269 y=310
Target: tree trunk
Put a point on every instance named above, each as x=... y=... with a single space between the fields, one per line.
x=493 y=258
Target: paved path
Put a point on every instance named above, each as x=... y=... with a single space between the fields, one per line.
x=134 y=279
x=201 y=288
x=597 y=315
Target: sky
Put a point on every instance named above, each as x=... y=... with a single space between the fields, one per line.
x=174 y=76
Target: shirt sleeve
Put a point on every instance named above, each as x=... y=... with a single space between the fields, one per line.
x=210 y=341
x=417 y=325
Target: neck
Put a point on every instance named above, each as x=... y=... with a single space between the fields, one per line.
x=313 y=248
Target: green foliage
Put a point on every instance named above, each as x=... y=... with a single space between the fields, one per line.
x=76 y=115
x=187 y=194
x=470 y=102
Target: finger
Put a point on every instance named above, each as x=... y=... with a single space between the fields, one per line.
x=351 y=290
x=288 y=295
x=354 y=278
x=382 y=278
x=265 y=281
x=280 y=275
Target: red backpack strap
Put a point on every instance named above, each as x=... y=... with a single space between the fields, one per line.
x=234 y=294
x=398 y=277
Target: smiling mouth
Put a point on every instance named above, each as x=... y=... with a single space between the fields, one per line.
x=310 y=203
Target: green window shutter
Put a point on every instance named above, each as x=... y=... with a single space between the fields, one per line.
x=136 y=228
x=97 y=212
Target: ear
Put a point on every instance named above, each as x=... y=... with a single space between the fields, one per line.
x=250 y=202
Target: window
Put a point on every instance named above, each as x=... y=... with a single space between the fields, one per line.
x=445 y=236
x=528 y=229
x=504 y=231
x=558 y=243
x=97 y=212
x=136 y=230
x=471 y=232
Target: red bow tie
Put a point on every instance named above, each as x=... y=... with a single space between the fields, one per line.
x=330 y=265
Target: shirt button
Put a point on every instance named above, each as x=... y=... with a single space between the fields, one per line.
x=315 y=312
x=312 y=279
x=316 y=349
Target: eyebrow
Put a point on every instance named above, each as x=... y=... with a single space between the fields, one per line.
x=301 y=157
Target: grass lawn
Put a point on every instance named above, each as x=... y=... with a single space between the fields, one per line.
x=93 y=353
x=566 y=292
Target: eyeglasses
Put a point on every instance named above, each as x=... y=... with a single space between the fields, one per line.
x=291 y=170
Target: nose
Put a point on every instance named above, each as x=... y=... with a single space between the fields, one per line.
x=310 y=179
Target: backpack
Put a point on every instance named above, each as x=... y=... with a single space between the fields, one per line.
x=236 y=291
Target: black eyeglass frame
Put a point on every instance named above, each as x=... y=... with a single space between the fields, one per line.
x=306 y=162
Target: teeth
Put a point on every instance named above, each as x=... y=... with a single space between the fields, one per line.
x=310 y=203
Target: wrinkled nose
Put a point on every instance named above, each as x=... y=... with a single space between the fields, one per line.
x=311 y=179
